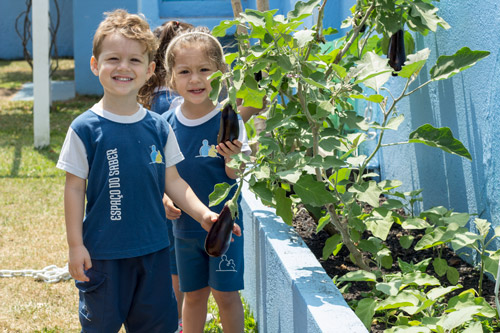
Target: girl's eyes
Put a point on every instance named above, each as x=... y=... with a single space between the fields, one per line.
x=205 y=69
x=135 y=60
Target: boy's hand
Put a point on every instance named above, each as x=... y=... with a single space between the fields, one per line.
x=79 y=261
x=228 y=148
x=172 y=212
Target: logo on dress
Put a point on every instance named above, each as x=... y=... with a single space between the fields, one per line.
x=226 y=265
x=207 y=150
x=155 y=155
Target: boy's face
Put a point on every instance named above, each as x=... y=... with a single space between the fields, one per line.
x=122 y=66
x=190 y=74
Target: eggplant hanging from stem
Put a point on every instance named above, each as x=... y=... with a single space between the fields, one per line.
x=397 y=55
x=229 y=125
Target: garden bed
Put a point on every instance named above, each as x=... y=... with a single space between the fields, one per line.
x=340 y=264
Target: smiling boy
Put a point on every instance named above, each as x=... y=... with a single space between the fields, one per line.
x=121 y=158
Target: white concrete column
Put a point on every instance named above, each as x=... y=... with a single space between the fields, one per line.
x=41 y=71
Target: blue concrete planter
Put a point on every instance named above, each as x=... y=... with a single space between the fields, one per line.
x=285 y=285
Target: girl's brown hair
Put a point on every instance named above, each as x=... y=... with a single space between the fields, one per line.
x=164 y=33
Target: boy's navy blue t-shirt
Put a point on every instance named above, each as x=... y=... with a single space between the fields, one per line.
x=124 y=215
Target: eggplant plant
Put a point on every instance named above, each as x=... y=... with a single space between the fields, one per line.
x=310 y=151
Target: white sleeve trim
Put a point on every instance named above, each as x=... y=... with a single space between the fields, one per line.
x=73 y=157
x=172 y=152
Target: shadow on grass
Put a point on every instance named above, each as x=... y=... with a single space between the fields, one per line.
x=16 y=132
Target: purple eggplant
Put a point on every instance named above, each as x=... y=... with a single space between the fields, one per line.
x=397 y=55
x=229 y=125
x=219 y=237
x=257 y=76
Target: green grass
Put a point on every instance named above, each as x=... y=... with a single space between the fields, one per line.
x=14 y=73
x=32 y=232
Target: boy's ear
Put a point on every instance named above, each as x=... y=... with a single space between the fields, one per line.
x=93 y=66
x=151 y=69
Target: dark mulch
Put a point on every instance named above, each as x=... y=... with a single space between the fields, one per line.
x=340 y=264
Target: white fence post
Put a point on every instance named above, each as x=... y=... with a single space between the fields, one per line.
x=41 y=73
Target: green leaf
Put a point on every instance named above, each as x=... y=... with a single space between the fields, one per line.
x=372 y=98
x=414 y=63
x=302 y=10
x=291 y=176
x=262 y=191
x=389 y=288
x=366 y=310
x=323 y=221
x=452 y=275
x=283 y=205
x=438 y=292
x=314 y=83
x=373 y=71
x=464 y=239
x=459 y=317
x=440 y=266
x=406 y=241
x=303 y=37
x=358 y=275
x=490 y=265
x=332 y=245
x=380 y=223
x=440 y=138
x=404 y=298
x=483 y=226
x=415 y=223
x=426 y=13
x=221 y=191
x=368 y=192
x=312 y=192
x=220 y=30
x=447 y=66
x=251 y=97
x=254 y=17
x=420 y=279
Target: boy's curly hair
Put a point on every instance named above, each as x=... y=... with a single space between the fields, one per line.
x=165 y=33
x=131 y=26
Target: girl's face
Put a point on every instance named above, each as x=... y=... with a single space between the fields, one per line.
x=190 y=74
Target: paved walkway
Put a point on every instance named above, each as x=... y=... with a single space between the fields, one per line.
x=61 y=91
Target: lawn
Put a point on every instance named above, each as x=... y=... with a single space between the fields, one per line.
x=32 y=231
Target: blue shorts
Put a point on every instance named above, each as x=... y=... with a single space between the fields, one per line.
x=136 y=292
x=198 y=270
x=171 y=239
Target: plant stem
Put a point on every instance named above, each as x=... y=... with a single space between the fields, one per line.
x=346 y=239
x=355 y=33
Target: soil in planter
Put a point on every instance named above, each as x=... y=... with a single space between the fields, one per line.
x=340 y=264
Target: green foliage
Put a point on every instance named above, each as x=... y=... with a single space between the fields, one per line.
x=309 y=151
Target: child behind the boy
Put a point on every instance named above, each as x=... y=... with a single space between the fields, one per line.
x=190 y=59
x=122 y=159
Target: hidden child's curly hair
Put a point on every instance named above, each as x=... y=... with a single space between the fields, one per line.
x=164 y=33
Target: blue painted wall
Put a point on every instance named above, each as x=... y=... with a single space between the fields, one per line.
x=468 y=103
x=11 y=43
